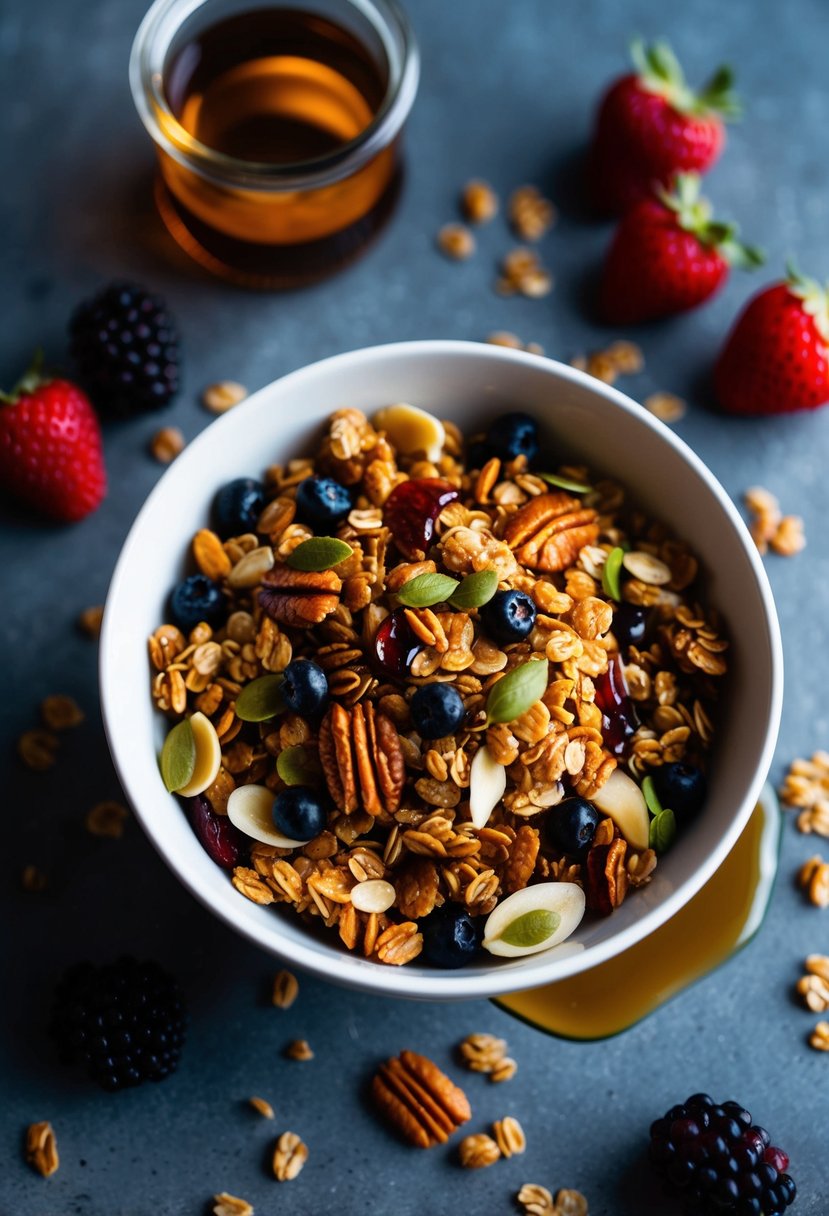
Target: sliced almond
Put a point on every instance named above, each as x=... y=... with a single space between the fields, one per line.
x=621 y=798
x=208 y=756
x=487 y=783
x=523 y=914
x=250 y=809
x=647 y=568
x=373 y=895
x=411 y=429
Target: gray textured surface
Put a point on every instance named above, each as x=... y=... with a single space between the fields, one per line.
x=506 y=93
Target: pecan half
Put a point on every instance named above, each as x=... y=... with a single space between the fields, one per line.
x=416 y=884
x=418 y=1100
x=300 y=598
x=549 y=532
x=362 y=759
x=606 y=879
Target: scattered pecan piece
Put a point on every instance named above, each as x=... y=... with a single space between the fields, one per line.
x=300 y=598
x=42 y=1148
x=550 y=530
x=606 y=882
x=419 y=1100
x=362 y=759
x=416 y=884
x=522 y=857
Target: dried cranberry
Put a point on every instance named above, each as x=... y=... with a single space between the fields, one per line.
x=619 y=721
x=411 y=510
x=395 y=645
x=217 y=835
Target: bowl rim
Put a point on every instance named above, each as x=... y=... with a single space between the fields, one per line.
x=398 y=982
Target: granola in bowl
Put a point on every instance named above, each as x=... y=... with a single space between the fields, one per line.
x=437 y=693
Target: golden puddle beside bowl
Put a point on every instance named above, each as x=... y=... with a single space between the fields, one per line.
x=721 y=918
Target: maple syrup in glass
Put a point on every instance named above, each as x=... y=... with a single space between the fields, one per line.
x=277 y=129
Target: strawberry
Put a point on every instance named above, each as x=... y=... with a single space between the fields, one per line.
x=776 y=358
x=651 y=126
x=50 y=447
x=669 y=255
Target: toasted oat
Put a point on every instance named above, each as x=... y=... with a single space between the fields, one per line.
x=530 y=214
x=479 y=202
x=33 y=879
x=60 y=712
x=509 y=1136
x=814 y=879
x=289 y=1156
x=456 y=241
x=478 y=1151
x=626 y=357
x=107 y=819
x=285 y=989
x=89 y=621
x=166 y=444
x=789 y=538
x=504 y=1070
x=38 y=749
x=665 y=406
x=769 y=527
x=536 y=1200
x=502 y=337
x=818 y=964
x=570 y=1203
x=231 y=1205
x=521 y=271
x=819 y=1038
x=814 y=992
x=221 y=397
x=262 y=1107
x=299 y=1049
x=806 y=786
x=42 y=1149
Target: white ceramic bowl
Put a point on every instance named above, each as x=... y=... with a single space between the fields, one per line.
x=468 y=383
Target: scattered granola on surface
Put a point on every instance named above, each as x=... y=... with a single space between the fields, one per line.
x=166 y=444
x=285 y=989
x=479 y=202
x=522 y=272
x=509 y=1136
x=502 y=337
x=819 y=1038
x=60 y=712
x=488 y=1054
x=38 y=749
x=33 y=879
x=667 y=407
x=289 y=1156
x=262 y=1107
x=770 y=528
x=90 y=620
x=299 y=1049
x=813 y=985
x=538 y=1201
x=107 y=819
x=621 y=358
x=530 y=214
x=806 y=787
x=231 y=1205
x=42 y=1149
x=813 y=877
x=456 y=241
x=478 y=1151
x=223 y=396
x=412 y=678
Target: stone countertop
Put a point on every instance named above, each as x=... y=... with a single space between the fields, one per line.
x=506 y=93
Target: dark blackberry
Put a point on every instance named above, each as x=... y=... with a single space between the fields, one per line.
x=719 y=1161
x=126 y=348
x=124 y=1022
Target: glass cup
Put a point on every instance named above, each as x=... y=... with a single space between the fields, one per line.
x=277 y=130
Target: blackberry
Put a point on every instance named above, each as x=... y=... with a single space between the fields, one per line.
x=722 y=1163
x=125 y=1022
x=126 y=348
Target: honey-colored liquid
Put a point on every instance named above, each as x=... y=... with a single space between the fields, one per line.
x=278 y=87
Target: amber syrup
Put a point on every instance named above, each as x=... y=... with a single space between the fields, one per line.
x=276 y=87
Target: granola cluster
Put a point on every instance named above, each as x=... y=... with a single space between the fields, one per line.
x=398 y=817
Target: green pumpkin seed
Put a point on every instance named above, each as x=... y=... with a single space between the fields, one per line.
x=662 y=832
x=651 y=796
x=260 y=700
x=510 y=696
x=611 y=571
x=178 y=756
x=532 y=928
x=565 y=483
x=298 y=766
x=426 y=590
x=318 y=553
x=475 y=590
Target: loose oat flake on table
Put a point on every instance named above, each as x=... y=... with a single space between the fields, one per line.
x=436 y=693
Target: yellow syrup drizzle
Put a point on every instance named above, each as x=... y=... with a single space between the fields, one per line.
x=613 y=996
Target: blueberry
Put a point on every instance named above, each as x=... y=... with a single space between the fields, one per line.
x=322 y=501
x=298 y=813
x=450 y=938
x=509 y=616
x=237 y=507
x=197 y=599
x=513 y=435
x=571 y=826
x=437 y=710
x=681 y=787
x=305 y=688
x=630 y=623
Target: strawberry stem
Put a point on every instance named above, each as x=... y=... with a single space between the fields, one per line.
x=31 y=380
x=693 y=214
x=660 y=71
x=814 y=298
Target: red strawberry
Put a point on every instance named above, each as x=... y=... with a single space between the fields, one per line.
x=776 y=358
x=50 y=447
x=668 y=255
x=651 y=126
